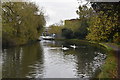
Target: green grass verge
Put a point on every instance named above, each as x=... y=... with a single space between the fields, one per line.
x=107 y=47
x=109 y=69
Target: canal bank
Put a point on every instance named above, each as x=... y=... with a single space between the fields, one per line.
x=111 y=67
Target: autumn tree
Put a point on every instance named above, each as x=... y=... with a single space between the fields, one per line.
x=105 y=26
x=22 y=22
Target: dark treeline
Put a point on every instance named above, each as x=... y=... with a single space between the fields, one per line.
x=22 y=22
x=100 y=22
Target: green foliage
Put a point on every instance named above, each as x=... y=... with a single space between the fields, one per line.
x=73 y=24
x=79 y=26
x=105 y=26
x=56 y=29
x=67 y=33
x=84 y=12
x=109 y=69
x=0 y=21
x=109 y=8
x=85 y=15
x=116 y=37
x=21 y=22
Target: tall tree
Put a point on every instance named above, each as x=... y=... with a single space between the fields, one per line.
x=85 y=15
x=21 y=22
x=105 y=24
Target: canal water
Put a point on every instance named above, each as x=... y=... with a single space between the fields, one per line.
x=47 y=59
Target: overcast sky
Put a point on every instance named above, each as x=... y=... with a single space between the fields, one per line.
x=57 y=10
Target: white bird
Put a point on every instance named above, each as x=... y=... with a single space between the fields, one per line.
x=64 y=48
x=73 y=46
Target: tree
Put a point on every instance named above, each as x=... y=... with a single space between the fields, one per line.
x=72 y=24
x=102 y=28
x=21 y=22
x=56 y=29
x=67 y=33
x=105 y=26
x=85 y=14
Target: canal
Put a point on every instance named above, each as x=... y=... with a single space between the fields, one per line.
x=46 y=59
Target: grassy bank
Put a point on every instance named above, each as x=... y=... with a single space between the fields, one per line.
x=110 y=68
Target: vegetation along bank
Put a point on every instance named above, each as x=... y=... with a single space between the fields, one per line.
x=22 y=22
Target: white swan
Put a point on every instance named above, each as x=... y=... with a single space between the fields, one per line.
x=73 y=46
x=64 y=48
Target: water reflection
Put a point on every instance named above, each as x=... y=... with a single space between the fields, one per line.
x=46 y=59
x=16 y=61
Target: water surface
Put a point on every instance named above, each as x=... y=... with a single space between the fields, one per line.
x=46 y=59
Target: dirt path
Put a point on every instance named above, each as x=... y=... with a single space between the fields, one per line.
x=116 y=48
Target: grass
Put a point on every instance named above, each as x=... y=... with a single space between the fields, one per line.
x=107 y=47
x=110 y=68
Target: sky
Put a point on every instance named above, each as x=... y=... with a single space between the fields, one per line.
x=57 y=10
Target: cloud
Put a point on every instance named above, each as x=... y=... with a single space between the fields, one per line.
x=58 y=9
